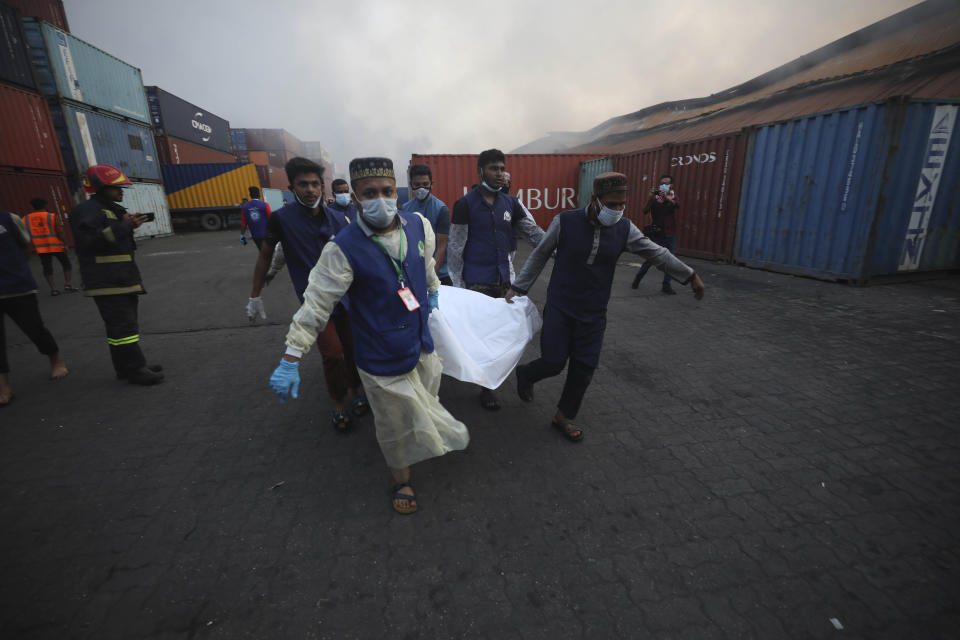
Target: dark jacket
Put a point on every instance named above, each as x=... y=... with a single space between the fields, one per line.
x=105 y=248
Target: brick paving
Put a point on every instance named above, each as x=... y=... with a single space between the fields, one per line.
x=777 y=461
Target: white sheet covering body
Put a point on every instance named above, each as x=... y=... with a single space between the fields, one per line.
x=481 y=339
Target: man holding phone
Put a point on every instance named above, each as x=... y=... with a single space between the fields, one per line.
x=103 y=231
x=662 y=207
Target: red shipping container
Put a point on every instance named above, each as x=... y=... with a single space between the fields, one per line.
x=27 y=138
x=17 y=189
x=546 y=183
x=47 y=10
x=272 y=177
x=175 y=151
x=707 y=174
x=258 y=158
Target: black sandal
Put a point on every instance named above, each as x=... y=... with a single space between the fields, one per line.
x=360 y=406
x=571 y=432
x=341 y=421
x=489 y=401
x=410 y=498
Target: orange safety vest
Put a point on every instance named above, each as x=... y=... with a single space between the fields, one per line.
x=43 y=228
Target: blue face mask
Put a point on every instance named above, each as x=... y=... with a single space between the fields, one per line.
x=379 y=212
x=421 y=193
x=665 y=188
x=343 y=199
x=488 y=187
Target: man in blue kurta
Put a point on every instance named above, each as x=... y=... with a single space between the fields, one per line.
x=434 y=210
x=588 y=242
x=384 y=262
x=303 y=228
x=483 y=237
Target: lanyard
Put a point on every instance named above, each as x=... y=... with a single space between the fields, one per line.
x=403 y=252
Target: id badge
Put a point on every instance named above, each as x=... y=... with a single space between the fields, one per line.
x=409 y=299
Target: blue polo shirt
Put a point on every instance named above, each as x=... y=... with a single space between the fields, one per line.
x=433 y=209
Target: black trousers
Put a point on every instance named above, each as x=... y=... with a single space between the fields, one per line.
x=25 y=313
x=119 y=315
x=578 y=379
x=46 y=260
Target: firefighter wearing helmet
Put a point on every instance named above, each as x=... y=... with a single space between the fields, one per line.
x=103 y=232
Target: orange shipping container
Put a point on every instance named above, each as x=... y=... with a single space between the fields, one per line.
x=175 y=151
x=258 y=158
x=27 y=137
x=546 y=183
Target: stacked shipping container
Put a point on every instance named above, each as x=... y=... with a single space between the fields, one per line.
x=185 y=133
x=30 y=162
x=99 y=110
x=269 y=150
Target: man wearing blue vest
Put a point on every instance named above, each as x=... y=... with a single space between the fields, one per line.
x=303 y=228
x=588 y=242
x=483 y=237
x=342 y=203
x=253 y=215
x=18 y=299
x=384 y=262
x=434 y=210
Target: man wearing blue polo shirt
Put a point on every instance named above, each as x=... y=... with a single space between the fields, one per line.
x=483 y=237
x=433 y=209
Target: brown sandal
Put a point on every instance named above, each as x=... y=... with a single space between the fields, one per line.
x=571 y=432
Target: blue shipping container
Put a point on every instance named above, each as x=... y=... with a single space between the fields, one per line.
x=866 y=191
x=69 y=68
x=919 y=226
x=238 y=140
x=88 y=137
x=14 y=58
x=590 y=169
x=810 y=191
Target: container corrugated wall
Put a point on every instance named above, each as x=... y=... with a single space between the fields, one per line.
x=17 y=189
x=146 y=197
x=208 y=186
x=810 y=192
x=14 y=56
x=89 y=137
x=27 y=136
x=918 y=225
x=547 y=184
x=238 y=140
x=174 y=116
x=69 y=68
x=590 y=169
x=707 y=175
x=174 y=151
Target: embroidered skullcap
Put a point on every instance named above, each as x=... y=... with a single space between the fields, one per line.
x=609 y=182
x=371 y=168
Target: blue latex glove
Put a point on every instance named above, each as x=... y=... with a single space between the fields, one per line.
x=286 y=379
x=434 y=298
x=243 y=240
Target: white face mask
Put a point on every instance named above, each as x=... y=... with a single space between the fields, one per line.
x=421 y=193
x=609 y=217
x=313 y=206
x=343 y=199
x=488 y=187
x=379 y=212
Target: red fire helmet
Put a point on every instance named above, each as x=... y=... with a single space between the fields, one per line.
x=103 y=175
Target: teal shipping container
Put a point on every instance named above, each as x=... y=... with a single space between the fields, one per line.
x=69 y=68
x=866 y=191
x=88 y=137
x=148 y=197
x=590 y=169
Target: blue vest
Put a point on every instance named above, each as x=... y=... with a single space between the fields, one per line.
x=387 y=338
x=255 y=213
x=304 y=236
x=349 y=211
x=15 y=276
x=430 y=208
x=490 y=239
x=582 y=290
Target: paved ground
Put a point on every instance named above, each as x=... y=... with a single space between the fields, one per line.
x=777 y=461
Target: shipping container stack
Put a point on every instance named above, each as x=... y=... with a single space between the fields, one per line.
x=269 y=150
x=30 y=162
x=99 y=111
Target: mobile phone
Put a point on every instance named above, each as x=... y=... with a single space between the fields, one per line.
x=151 y=216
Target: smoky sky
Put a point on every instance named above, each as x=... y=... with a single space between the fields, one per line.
x=395 y=78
